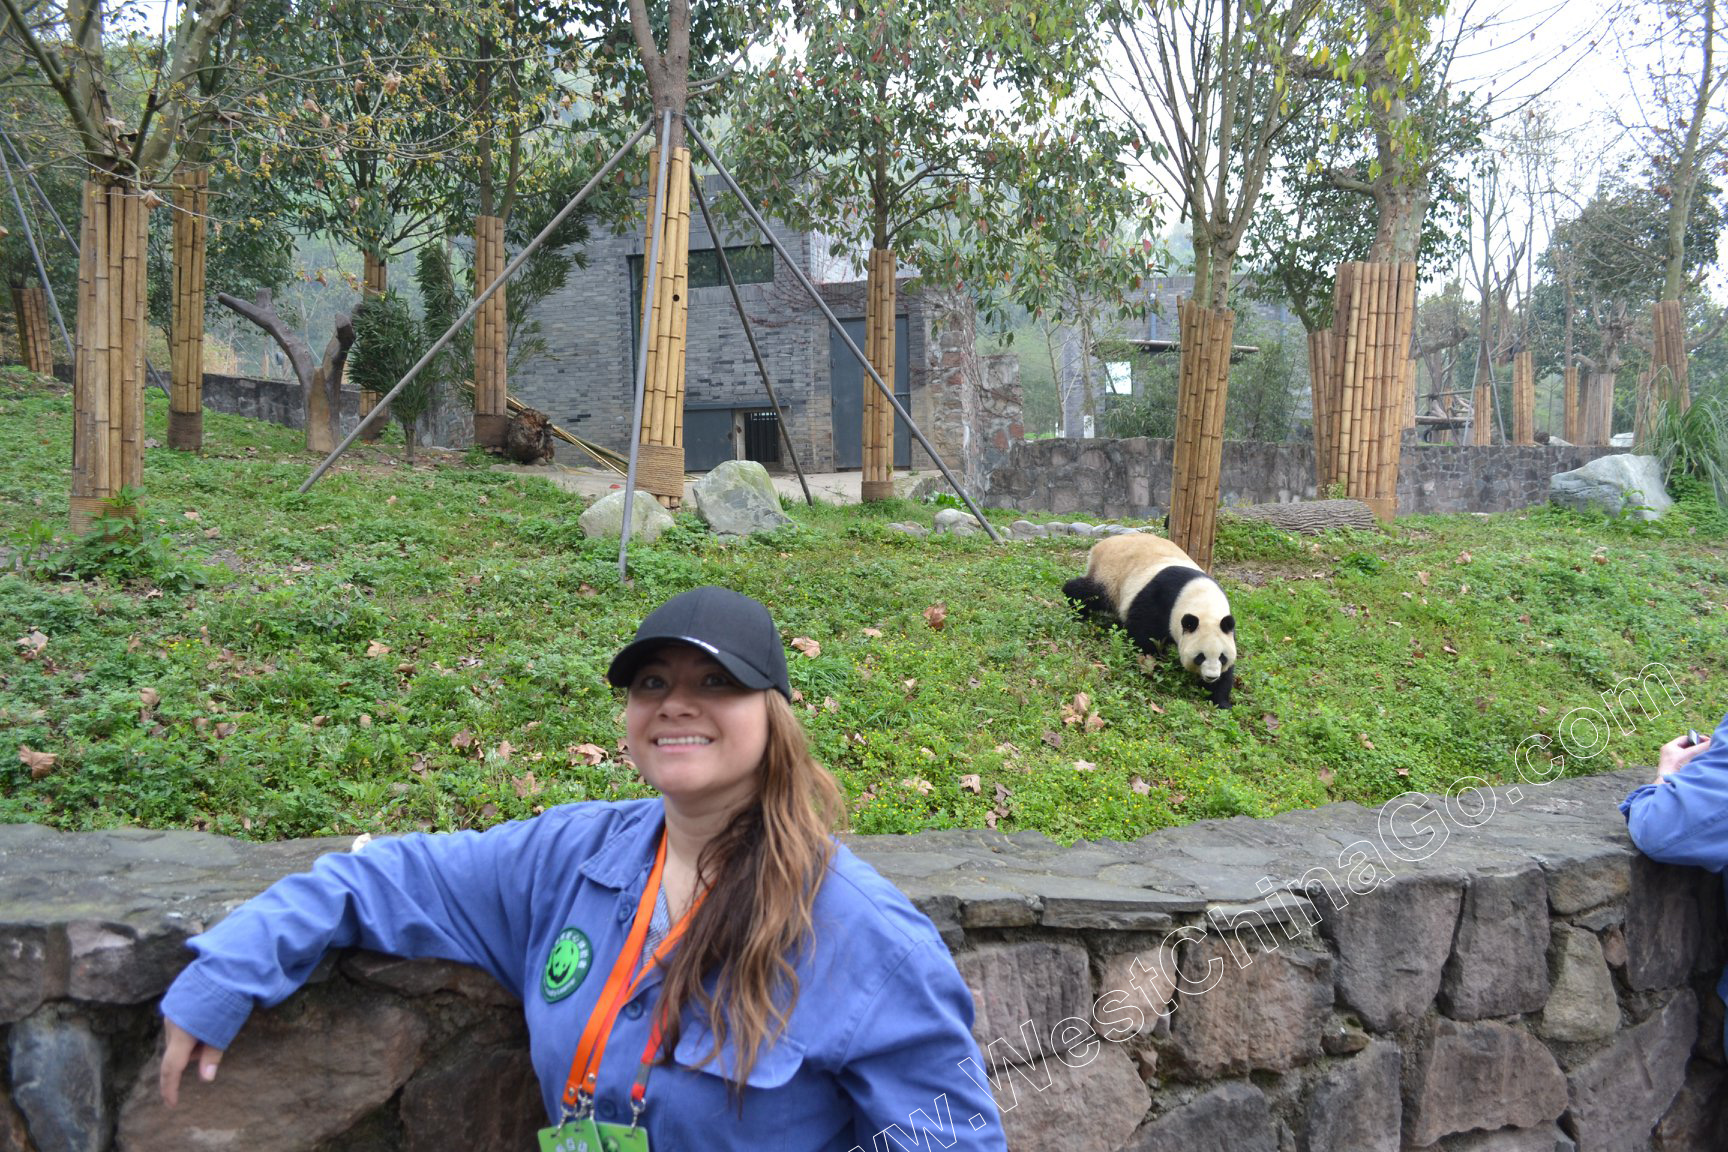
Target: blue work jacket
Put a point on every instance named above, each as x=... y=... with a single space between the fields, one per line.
x=878 y=1051
x=1683 y=818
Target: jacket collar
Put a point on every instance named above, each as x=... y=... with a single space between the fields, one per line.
x=623 y=861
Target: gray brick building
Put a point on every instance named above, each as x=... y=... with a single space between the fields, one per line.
x=586 y=380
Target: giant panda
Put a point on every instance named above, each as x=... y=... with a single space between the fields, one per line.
x=1160 y=595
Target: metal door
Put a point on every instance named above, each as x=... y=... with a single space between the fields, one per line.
x=847 y=379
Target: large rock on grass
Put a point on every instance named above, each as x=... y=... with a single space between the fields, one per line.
x=606 y=517
x=1613 y=485
x=737 y=498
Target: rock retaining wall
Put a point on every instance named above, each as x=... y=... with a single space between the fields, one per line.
x=1117 y=478
x=1498 y=972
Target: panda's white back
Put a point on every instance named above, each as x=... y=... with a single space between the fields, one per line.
x=1125 y=564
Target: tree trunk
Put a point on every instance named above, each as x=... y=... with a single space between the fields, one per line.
x=660 y=460
x=108 y=372
x=186 y=351
x=491 y=337
x=877 y=482
x=375 y=281
x=1362 y=395
x=1596 y=421
x=1196 y=470
x=321 y=383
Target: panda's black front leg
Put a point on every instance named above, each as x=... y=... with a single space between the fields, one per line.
x=1221 y=688
x=1087 y=595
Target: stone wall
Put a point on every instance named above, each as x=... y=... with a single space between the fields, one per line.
x=1497 y=972
x=1131 y=478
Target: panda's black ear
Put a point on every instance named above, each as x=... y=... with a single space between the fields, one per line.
x=1228 y=623
x=1190 y=622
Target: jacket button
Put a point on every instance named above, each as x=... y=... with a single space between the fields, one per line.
x=633 y=1010
x=626 y=908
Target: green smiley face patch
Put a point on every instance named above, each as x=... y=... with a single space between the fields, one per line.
x=567 y=965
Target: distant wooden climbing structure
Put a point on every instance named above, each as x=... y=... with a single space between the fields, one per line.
x=660 y=464
x=191 y=197
x=491 y=336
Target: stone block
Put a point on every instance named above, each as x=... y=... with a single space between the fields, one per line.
x=58 y=1081
x=32 y=968
x=1483 y=1075
x=1141 y=984
x=1499 y=961
x=1021 y=992
x=1619 y=1096
x=1698 y=1117
x=325 y=1060
x=605 y=517
x=1093 y=1106
x=1233 y=1117
x=1392 y=946
x=1544 y=1139
x=1356 y=1105
x=1581 y=1005
x=110 y=963
x=1263 y=1010
x=417 y=978
x=481 y=1099
x=1579 y=885
x=1664 y=932
x=13 y=1135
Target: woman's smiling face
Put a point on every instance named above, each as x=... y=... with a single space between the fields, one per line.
x=696 y=735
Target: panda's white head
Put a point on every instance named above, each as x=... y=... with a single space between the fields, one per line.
x=1204 y=630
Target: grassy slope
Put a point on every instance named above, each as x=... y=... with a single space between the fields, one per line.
x=1371 y=664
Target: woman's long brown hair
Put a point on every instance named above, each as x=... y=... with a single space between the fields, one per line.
x=761 y=873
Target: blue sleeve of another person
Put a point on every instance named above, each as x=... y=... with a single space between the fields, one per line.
x=1683 y=818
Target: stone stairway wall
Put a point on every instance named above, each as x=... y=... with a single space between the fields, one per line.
x=1494 y=972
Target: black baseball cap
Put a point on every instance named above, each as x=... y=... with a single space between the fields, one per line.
x=734 y=629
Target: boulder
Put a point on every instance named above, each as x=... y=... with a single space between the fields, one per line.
x=1620 y=1095
x=1499 y=961
x=1613 y=485
x=1356 y=1106
x=606 y=517
x=58 y=1082
x=737 y=498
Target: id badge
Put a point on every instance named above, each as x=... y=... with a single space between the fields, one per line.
x=572 y=1136
x=622 y=1138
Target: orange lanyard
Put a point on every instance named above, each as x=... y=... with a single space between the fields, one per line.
x=628 y=972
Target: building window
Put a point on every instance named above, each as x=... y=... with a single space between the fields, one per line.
x=751 y=264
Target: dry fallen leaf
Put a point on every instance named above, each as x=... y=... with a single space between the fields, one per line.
x=589 y=754
x=919 y=785
x=1094 y=722
x=873 y=633
x=936 y=616
x=225 y=730
x=1366 y=743
x=365 y=720
x=973 y=783
x=1463 y=557
x=391 y=500
x=1054 y=739
x=1084 y=765
x=1325 y=775
x=39 y=763
x=525 y=785
x=1447 y=648
x=320 y=721
x=503 y=751
x=150 y=697
x=990 y=819
x=462 y=741
x=419 y=767
x=807 y=646
x=1271 y=722
x=1422 y=579
x=1007 y=749
x=377 y=648
x=829 y=704
x=32 y=642
x=1140 y=786
x=1154 y=707
x=190 y=515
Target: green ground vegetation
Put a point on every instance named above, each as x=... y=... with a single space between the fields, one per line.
x=423 y=647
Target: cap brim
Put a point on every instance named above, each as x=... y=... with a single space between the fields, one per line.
x=638 y=652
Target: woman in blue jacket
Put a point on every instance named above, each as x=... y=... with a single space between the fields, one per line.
x=704 y=970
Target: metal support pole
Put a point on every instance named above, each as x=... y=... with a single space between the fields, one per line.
x=473 y=308
x=650 y=289
x=750 y=335
x=834 y=322
x=36 y=255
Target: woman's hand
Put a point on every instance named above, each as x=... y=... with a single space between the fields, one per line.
x=1676 y=754
x=183 y=1048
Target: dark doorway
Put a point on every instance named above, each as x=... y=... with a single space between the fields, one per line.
x=846 y=381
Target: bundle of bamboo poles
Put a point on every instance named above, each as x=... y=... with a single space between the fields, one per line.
x=1596 y=409
x=1668 y=355
x=108 y=372
x=660 y=459
x=1571 y=402
x=1644 y=410
x=374 y=282
x=186 y=332
x=1524 y=399
x=35 y=341
x=1361 y=406
x=1204 y=381
x=877 y=481
x=491 y=336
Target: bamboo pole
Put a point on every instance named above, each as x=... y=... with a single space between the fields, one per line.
x=1571 y=415
x=1319 y=391
x=186 y=354
x=35 y=342
x=877 y=481
x=1668 y=360
x=1523 y=399
x=660 y=430
x=1350 y=382
x=108 y=370
x=1204 y=374
x=491 y=341
x=374 y=282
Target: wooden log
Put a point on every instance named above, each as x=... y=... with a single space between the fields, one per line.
x=1310 y=517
